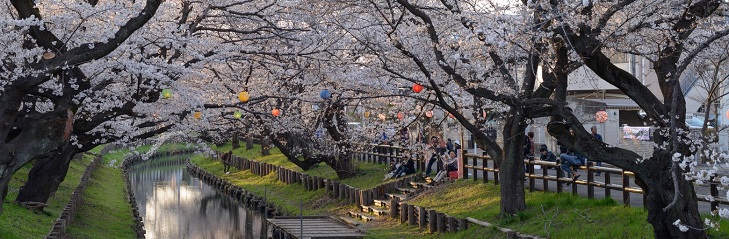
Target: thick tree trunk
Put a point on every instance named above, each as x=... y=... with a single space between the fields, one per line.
x=265 y=147
x=249 y=143
x=45 y=176
x=659 y=188
x=511 y=168
x=236 y=142
x=343 y=166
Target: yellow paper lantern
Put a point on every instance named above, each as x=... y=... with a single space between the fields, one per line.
x=366 y=114
x=243 y=96
x=197 y=114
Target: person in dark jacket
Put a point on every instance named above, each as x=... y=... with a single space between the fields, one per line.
x=406 y=167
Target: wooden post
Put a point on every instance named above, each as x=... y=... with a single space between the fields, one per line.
x=352 y=195
x=475 y=176
x=607 y=182
x=411 y=215
x=626 y=194
x=422 y=219
x=462 y=224
x=394 y=203
x=432 y=218
x=531 y=171
x=590 y=179
x=485 y=164
x=545 y=182
x=335 y=189
x=403 y=212
x=452 y=224
x=560 y=174
x=441 y=222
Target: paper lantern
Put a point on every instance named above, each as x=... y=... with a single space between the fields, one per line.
x=727 y=114
x=166 y=93
x=429 y=114
x=243 y=96
x=417 y=88
x=601 y=116
x=237 y=114
x=367 y=114
x=49 y=55
x=381 y=116
x=197 y=114
x=275 y=112
x=451 y=115
x=400 y=115
x=325 y=94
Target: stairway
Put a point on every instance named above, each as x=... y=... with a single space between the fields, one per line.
x=381 y=207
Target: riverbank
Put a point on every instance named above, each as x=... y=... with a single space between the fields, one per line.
x=19 y=222
x=105 y=212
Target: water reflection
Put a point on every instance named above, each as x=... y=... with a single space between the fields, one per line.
x=174 y=204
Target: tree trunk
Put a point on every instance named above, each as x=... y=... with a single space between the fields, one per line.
x=236 y=142
x=685 y=209
x=45 y=176
x=511 y=168
x=265 y=147
x=343 y=166
x=249 y=143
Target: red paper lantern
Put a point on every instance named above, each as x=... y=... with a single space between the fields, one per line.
x=400 y=115
x=417 y=88
x=275 y=112
x=601 y=116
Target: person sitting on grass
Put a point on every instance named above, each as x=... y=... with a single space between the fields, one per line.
x=407 y=166
x=451 y=164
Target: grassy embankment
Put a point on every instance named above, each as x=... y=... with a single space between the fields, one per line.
x=19 y=222
x=106 y=212
x=290 y=197
x=548 y=215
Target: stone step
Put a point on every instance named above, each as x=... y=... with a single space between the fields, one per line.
x=402 y=197
x=420 y=185
x=379 y=211
x=349 y=221
x=381 y=203
x=360 y=216
x=407 y=190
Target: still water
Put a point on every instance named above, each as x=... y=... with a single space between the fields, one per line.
x=174 y=204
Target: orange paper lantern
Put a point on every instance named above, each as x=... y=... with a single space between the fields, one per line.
x=243 y=96
x=197 y=114
x=417 y=88
x=275 y=112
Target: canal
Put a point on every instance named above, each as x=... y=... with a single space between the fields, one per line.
x=173 y=204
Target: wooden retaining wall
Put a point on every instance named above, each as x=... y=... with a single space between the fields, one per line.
x=69 y=211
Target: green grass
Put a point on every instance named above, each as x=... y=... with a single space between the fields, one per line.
x=287 y=197
x=555 y=215
x=368 y=175
x=395 y=230
x=18 y=222
x=105 y=212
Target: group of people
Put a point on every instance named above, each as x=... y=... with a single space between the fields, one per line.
x=570 y=159
x=441 y=154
